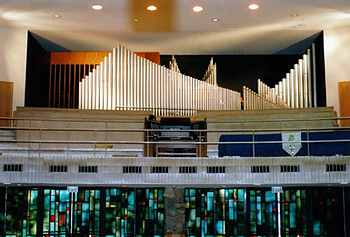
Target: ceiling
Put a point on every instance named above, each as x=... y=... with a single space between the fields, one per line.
x=174 y=28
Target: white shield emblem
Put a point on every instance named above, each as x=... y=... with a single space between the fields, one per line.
x=291 y=142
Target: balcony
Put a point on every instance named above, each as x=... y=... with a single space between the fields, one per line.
x=100 y=151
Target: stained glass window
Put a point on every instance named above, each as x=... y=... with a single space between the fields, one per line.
x=230 y=219
x=87 y=213
x=347 y=208
x=150 y=212
x=120 y=209
x=57 y=217
x=57 y=207
x=22 y=212
x=327 y=212
x=263 y=213
x=293 y=212
x=199 y=218
x=2 y=210
x=214 y=212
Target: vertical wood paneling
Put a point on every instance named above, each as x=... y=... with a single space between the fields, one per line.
x=344 y=102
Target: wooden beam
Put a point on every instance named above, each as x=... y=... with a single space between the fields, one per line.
x=77 y=57
x=93 y=57
x=6 y=101
x=344 y=102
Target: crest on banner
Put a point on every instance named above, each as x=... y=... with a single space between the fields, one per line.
x=291 y=142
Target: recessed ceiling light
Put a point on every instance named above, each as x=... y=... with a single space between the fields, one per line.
x=215 y=19
x=136 y=20
x=56 y=16
x=294 y=15
x=151 y=8
x=7 y=183
x=344 y=183
x=197 y=8
x=253 y=6
x=97 y=7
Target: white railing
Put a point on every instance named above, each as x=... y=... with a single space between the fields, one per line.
x=238 y=171
x=42 y=147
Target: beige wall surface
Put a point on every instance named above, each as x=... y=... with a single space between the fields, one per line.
x=337 y=62
x=13 y=54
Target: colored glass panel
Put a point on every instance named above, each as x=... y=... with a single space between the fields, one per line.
x=294 y=212
x=120 y=209
x=214 y=212
x=328 y=212
x=230 y=220
x=263 y=214
x=57 y=207
x=58 y=204
x=22 y=212
x=2 y=210
x=347 y=208
x=199 y=215
x=87 y=213
x=150 y=213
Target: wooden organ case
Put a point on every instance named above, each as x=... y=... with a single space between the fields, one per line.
x=175 y=137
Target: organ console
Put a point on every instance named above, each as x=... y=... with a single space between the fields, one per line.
x=172 y=137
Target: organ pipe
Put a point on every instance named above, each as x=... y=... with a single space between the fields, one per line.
x=294 y=91
x=125 y=81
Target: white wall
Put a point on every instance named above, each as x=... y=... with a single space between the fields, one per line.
x=13 y=54
x=337 y=62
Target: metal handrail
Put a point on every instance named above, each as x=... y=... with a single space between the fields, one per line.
x=142 y=120
x=167 y=142
x=168 y=130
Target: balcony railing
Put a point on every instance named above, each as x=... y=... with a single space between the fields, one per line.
x=30 y=150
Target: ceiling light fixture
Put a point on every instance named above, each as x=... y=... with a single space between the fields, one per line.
x=151 y=8
x=197 y=8
x=294 y=15
x=97 y=7
x=253 y=6
x=136 y=20
x=344 y=183
x=215 y=19
x=56 y=15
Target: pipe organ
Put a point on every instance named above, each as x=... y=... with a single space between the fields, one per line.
x=210 y=74
x=173 y=65
x=254 y=101
x=125 y=81
x=293 y=91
